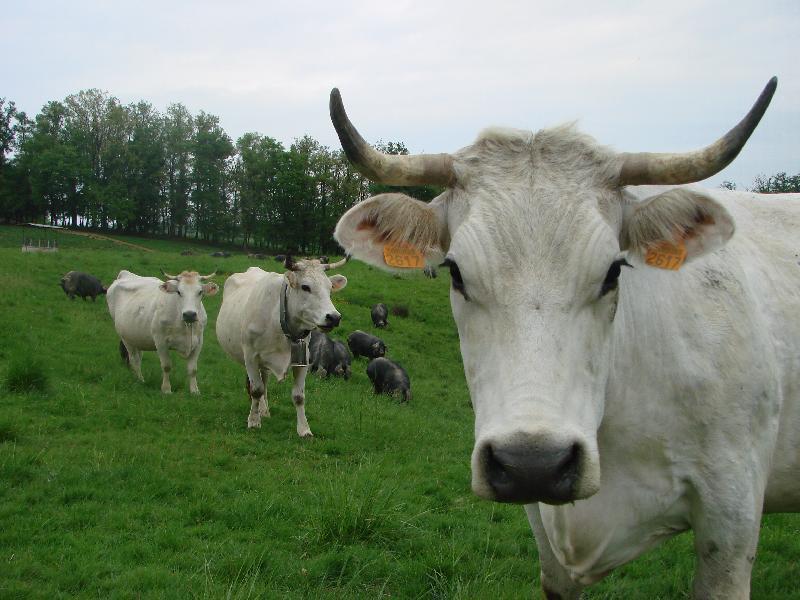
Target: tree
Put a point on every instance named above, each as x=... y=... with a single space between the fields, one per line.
x=780 y=183
x=89 y=161
x=211 y=148
x=146 y=166
x=90 y=115
x=52 y=167
x=15 y=196
x=178 y=136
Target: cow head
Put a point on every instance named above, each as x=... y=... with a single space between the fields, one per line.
x=536 y=230
x=309 y=298
x=190 y=287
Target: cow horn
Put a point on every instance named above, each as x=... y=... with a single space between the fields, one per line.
x=206 y=277
x=289 y=263
x=167 y=275
x=390 y=169
x=336 y=265
x=645 y=168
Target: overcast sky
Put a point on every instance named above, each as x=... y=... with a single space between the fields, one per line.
x=657 y=76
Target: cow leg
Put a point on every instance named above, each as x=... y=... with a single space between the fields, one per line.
x=725 y=540
x=556 y=582
x=134 y=360
x=299 y=399
x=263 y=405
x=191 y=365
x=166 y=367
x=258 y=390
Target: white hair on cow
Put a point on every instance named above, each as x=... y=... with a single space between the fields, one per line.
x=396 y=218
x=507 y=173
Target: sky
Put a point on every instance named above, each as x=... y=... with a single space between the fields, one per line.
x=638 y=76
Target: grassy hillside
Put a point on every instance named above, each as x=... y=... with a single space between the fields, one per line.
x=109 y=488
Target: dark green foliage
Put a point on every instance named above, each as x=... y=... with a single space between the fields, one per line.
x=780 y=183
x=90 y=161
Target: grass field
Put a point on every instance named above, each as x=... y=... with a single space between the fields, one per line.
x=110 y=489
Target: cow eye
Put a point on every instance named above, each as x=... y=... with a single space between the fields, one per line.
x=611 y=281
x=200 y=293
x=178 y=292
x=305 y=288
x=455 y=277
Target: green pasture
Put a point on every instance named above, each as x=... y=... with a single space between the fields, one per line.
x=110 y=489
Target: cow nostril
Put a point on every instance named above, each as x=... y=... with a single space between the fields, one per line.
x=190 y=316
x=332 y=319
x=571 y=459
x=497 y=471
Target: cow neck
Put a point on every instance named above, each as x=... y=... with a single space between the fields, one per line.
x=290 y=334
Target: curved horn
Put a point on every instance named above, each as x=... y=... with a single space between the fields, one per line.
x=644 y=168
x=415 y=169
x=167 y=275
x=206 y=277
x=336 y=265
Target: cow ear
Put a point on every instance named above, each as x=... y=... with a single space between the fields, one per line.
x=395 y=231
x=170 y=286
x=676 y=226
x=337 y=282
x=291 y=277
x=210 y=288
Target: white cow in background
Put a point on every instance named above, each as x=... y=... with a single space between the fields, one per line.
x=250 y=330
x=619 y=405
x=150 y=314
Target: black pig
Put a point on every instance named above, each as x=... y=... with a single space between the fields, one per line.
x=364 y=344
x=388 y=377
x=380 y=315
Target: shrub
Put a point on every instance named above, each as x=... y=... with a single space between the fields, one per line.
x=26 y=374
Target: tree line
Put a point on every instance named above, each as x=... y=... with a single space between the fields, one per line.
x=91 y=162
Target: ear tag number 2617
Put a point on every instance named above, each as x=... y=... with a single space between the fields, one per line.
x=666 y=255
x=403 y=256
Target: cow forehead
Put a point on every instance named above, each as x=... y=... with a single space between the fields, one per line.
x=533 y=228
x=514 y=181
x=189 y=279
x=528 y=191
x=312 y=271
x=512 y=155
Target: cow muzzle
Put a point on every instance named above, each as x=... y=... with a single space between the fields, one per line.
x=526 y=467
x=331 y=320
x=189 y=316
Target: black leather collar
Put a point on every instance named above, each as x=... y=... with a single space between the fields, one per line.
x=292 y=336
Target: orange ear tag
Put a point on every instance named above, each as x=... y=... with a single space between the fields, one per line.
x=666 y=255
x=403 y=256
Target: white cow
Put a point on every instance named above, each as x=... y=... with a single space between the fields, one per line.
x=649 y=401
x=150 y=314
x=250 y=328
